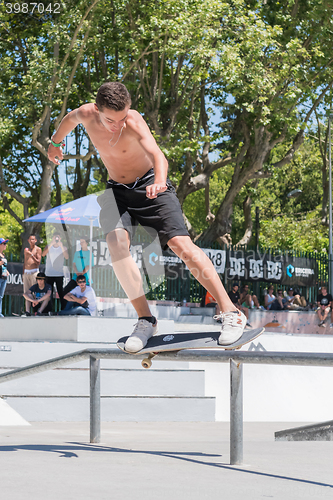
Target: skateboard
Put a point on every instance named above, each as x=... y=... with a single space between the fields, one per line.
x=180 y=341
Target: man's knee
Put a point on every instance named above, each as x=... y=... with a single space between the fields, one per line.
x=119 y=243
x=184 y=247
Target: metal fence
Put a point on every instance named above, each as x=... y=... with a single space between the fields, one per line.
x=187 y=287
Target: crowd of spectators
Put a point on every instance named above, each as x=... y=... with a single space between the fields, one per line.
x=76 y=298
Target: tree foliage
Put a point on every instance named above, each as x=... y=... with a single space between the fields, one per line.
x=264 y=68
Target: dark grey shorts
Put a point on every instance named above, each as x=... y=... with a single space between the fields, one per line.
x=126 y=206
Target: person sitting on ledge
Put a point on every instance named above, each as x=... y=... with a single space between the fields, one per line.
x=39 y=296
x=324 y=302
x=81 y=300
x=273 y=303
x=247 y=300
x=293 y=300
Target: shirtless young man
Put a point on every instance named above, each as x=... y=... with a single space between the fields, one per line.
x=140 y=191
x=32 y=258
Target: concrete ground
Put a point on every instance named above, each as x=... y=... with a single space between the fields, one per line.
x=160 y=460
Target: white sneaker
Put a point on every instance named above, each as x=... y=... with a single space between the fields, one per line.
x=142 y=332
x=233 y=324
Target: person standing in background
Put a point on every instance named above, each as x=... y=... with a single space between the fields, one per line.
x=81 y=262
x=3 y=271
x=56 y=253
x=32 y=258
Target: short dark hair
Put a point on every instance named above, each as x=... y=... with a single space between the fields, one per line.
x=81 y=277
x=41 y=276
x=113 y=95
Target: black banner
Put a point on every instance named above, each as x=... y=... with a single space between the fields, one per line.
x=14 y=279
x=253 y=266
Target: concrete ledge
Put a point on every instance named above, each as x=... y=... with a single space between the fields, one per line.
x=315 y=432
x=71 y=328
x=115 y=409
x=289 y=322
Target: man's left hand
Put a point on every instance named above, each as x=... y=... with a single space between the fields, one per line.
x=154 y=189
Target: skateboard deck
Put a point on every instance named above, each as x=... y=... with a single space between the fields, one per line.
x=180 y=341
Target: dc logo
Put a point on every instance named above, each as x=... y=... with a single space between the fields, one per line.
x=256 y=269
x=290 y=270
x=274 y=270
x=237 y=267
x=153 y=258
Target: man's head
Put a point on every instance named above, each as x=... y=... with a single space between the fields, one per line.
x=290 y=291
x=235 y=286
x=113 y=95
x=32 y=240
x=82 y=282
x=41 y=279
x=56 y=237
x=323 y=290
x=3 y=244
x=83 y=242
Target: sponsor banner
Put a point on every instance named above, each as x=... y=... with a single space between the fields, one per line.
x=218 y=258
x=253 y=266
x=14 y=279
x=300 y=271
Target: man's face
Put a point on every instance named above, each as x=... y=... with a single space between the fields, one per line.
x=113 y=120
x=32 y=240
x=324 y=291
x=82 y=285
x=246 y=288
x=235 y=288
x=290 y=292
x=40 y=282
x=3 y=247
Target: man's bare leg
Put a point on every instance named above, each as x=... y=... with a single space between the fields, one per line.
x=203 y=270
x=130 y=279
x=127 y=271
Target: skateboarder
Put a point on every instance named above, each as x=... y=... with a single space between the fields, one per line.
x=138 y=191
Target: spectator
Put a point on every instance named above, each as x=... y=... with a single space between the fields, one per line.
x=247 y=300
x=211 y=302
x=32 y=258
x=81 y=262
x=293 y=300
x=55 y=254
x=81 y=300
x=324 y=302
x=235 y=299
x=39 y=296
x=273 y=303
x=3 y=271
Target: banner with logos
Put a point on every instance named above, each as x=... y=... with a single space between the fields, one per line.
x=253 y=266
x=235 y=265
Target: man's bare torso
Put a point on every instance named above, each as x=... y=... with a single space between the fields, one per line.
x=29 y=262
x=121 y=152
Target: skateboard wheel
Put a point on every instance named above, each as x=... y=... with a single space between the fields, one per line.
x=146 y=363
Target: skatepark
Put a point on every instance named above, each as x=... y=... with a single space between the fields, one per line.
x=166 y=430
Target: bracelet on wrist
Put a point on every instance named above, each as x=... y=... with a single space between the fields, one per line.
x=61 y=144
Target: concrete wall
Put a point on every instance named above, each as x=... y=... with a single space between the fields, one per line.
x=71 y=328
x=277 y=393
x=289 y=322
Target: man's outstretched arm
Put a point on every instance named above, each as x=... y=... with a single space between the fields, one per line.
x=68 y=123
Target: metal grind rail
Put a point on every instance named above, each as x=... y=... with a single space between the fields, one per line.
x=236 y=360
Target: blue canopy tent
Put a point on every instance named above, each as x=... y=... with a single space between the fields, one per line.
x=81 y=212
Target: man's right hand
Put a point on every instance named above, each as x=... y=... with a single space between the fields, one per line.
x=55 y=154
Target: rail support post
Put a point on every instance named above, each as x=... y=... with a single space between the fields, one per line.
x=95 y=400
x=236 y=413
